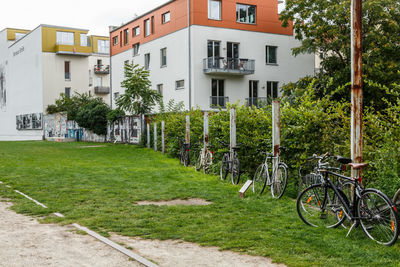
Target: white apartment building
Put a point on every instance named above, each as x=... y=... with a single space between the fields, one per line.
x=37 y=66
x=218 y=52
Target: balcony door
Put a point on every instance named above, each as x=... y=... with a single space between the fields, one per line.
x=232 y=55
x=217 y=93
x=213 y=53
x=253 y=93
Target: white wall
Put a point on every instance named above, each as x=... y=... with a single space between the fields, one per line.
x=24 y=86
x=252 y=46
x=176 y=69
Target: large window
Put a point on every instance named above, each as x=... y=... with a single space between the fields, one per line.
x=214 y=9
x=147 y=27
x=271 y=57
x=67 y=73
x=166 y=17
x=103 y=46
x=136 y=31
x=84 y=39
x=246 y=13
x=217 y=93
x=65 y=38
x=126 y=36
x=135 y=48
x=147 y=61
x=272 y=90
x=163 y=55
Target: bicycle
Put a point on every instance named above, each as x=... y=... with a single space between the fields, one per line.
x=230 y=164
x=326 y=205
x=273 y=175
x=184 y=155
x=204 y=160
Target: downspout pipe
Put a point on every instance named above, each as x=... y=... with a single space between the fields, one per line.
x=190 y=58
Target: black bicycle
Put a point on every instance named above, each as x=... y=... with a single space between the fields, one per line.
x=230 y=164
x=326 y=205
x=184 y=155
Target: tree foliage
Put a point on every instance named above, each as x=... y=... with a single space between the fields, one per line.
x=324 y=27
x=138 y=98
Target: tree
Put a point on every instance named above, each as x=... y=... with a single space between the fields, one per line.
x=324 y=27
x=138 y=98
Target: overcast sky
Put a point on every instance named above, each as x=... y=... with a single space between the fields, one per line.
x=95 y=16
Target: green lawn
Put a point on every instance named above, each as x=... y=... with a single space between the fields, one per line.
x=96 y=187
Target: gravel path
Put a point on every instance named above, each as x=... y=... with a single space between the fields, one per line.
x=26 y=242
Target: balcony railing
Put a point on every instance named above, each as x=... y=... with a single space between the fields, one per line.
x=233 y=66
x=258 y=101
x=102 y=69
x=218 y=101
x=101 y=90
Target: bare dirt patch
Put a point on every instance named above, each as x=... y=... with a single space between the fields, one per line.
x=174 y=202
x=177 y=253
x=26 y=242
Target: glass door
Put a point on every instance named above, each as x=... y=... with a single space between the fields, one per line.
x=217 y=93
x=213 y=54
x=232 y=55
x=253 y=93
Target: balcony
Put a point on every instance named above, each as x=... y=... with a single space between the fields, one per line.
x=218 y=101
x=258 y=101
x=101 y=90
x=62 y=49
x=230 y=66
x=102 y=69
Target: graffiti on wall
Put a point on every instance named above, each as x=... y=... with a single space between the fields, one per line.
x=126 y=130
x=3 y=95
x=31 y=121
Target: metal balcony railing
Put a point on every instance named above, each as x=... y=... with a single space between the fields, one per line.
x=101 y=90
x=233 y=66
x=218 y=101
x=102 y=69
x=258 y=101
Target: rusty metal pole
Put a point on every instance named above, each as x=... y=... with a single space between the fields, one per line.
x=163 y=137
x=148 y=135
x=155 y=136
x=276 y=131
x=356 y=83
x=206 y=129
x=232 y=131
x=187 y=135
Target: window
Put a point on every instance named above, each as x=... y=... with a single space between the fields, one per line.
x=146 y=61
x=163 y=54
x=135 y=48
x=147 y=27
x=213 y=54
x=166 y=17
x=253 y=93
x=103 y=46
x=99 y=63
x=136 y=31
x=152 y=25
x=217 y=93
x=180 y=84
x=99 y=81
x=65 y=38
x=84 y=39
x=271 y=57
x=19 y=36
x=246 y=13
x=160 y=88
x=214 y=9
x=115 y=40
x=90 y=93
x=126 y=36
x=67 y=73
x=116 y=95
x=68 y=92
x=272 y=90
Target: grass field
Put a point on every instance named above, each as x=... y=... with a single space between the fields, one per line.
x=97 y=187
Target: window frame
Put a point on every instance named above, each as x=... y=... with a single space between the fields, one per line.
x=180 y=87
x=272 y=83
x=115 y=40
x=136 y=50
x=136 y=31
x=67 y=65
x=147 y=25
x=126 y=36
x=247 y=14
x=67 y=89
x=267 y=57
x=163 y=16
x=161 y=92
x=61 y=41
x=162 y=56
x=209 y=10
x=147 y=59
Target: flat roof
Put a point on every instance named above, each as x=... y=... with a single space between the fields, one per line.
x=143 y=15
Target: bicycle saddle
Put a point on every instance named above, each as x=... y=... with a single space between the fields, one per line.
x=343 y=160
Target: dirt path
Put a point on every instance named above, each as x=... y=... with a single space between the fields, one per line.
x=26 y=242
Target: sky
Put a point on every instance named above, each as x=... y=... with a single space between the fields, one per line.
x=94 y=16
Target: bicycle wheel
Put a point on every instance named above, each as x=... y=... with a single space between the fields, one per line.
x=378 y=218
x=346 y=188
x=279 y=181
x=306 y=181
x=224 y=167
x=316 y=207
x=259 y=179
x=186 y=160
x=207 y=161
x=199 y=161
x=235 y=174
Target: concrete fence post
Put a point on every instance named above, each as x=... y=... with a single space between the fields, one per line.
x=232 y=129
x=148 y=135
x=276 y=130
x=155 y=136
x=163 y=137
x=206 y=129
x=187 y=135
